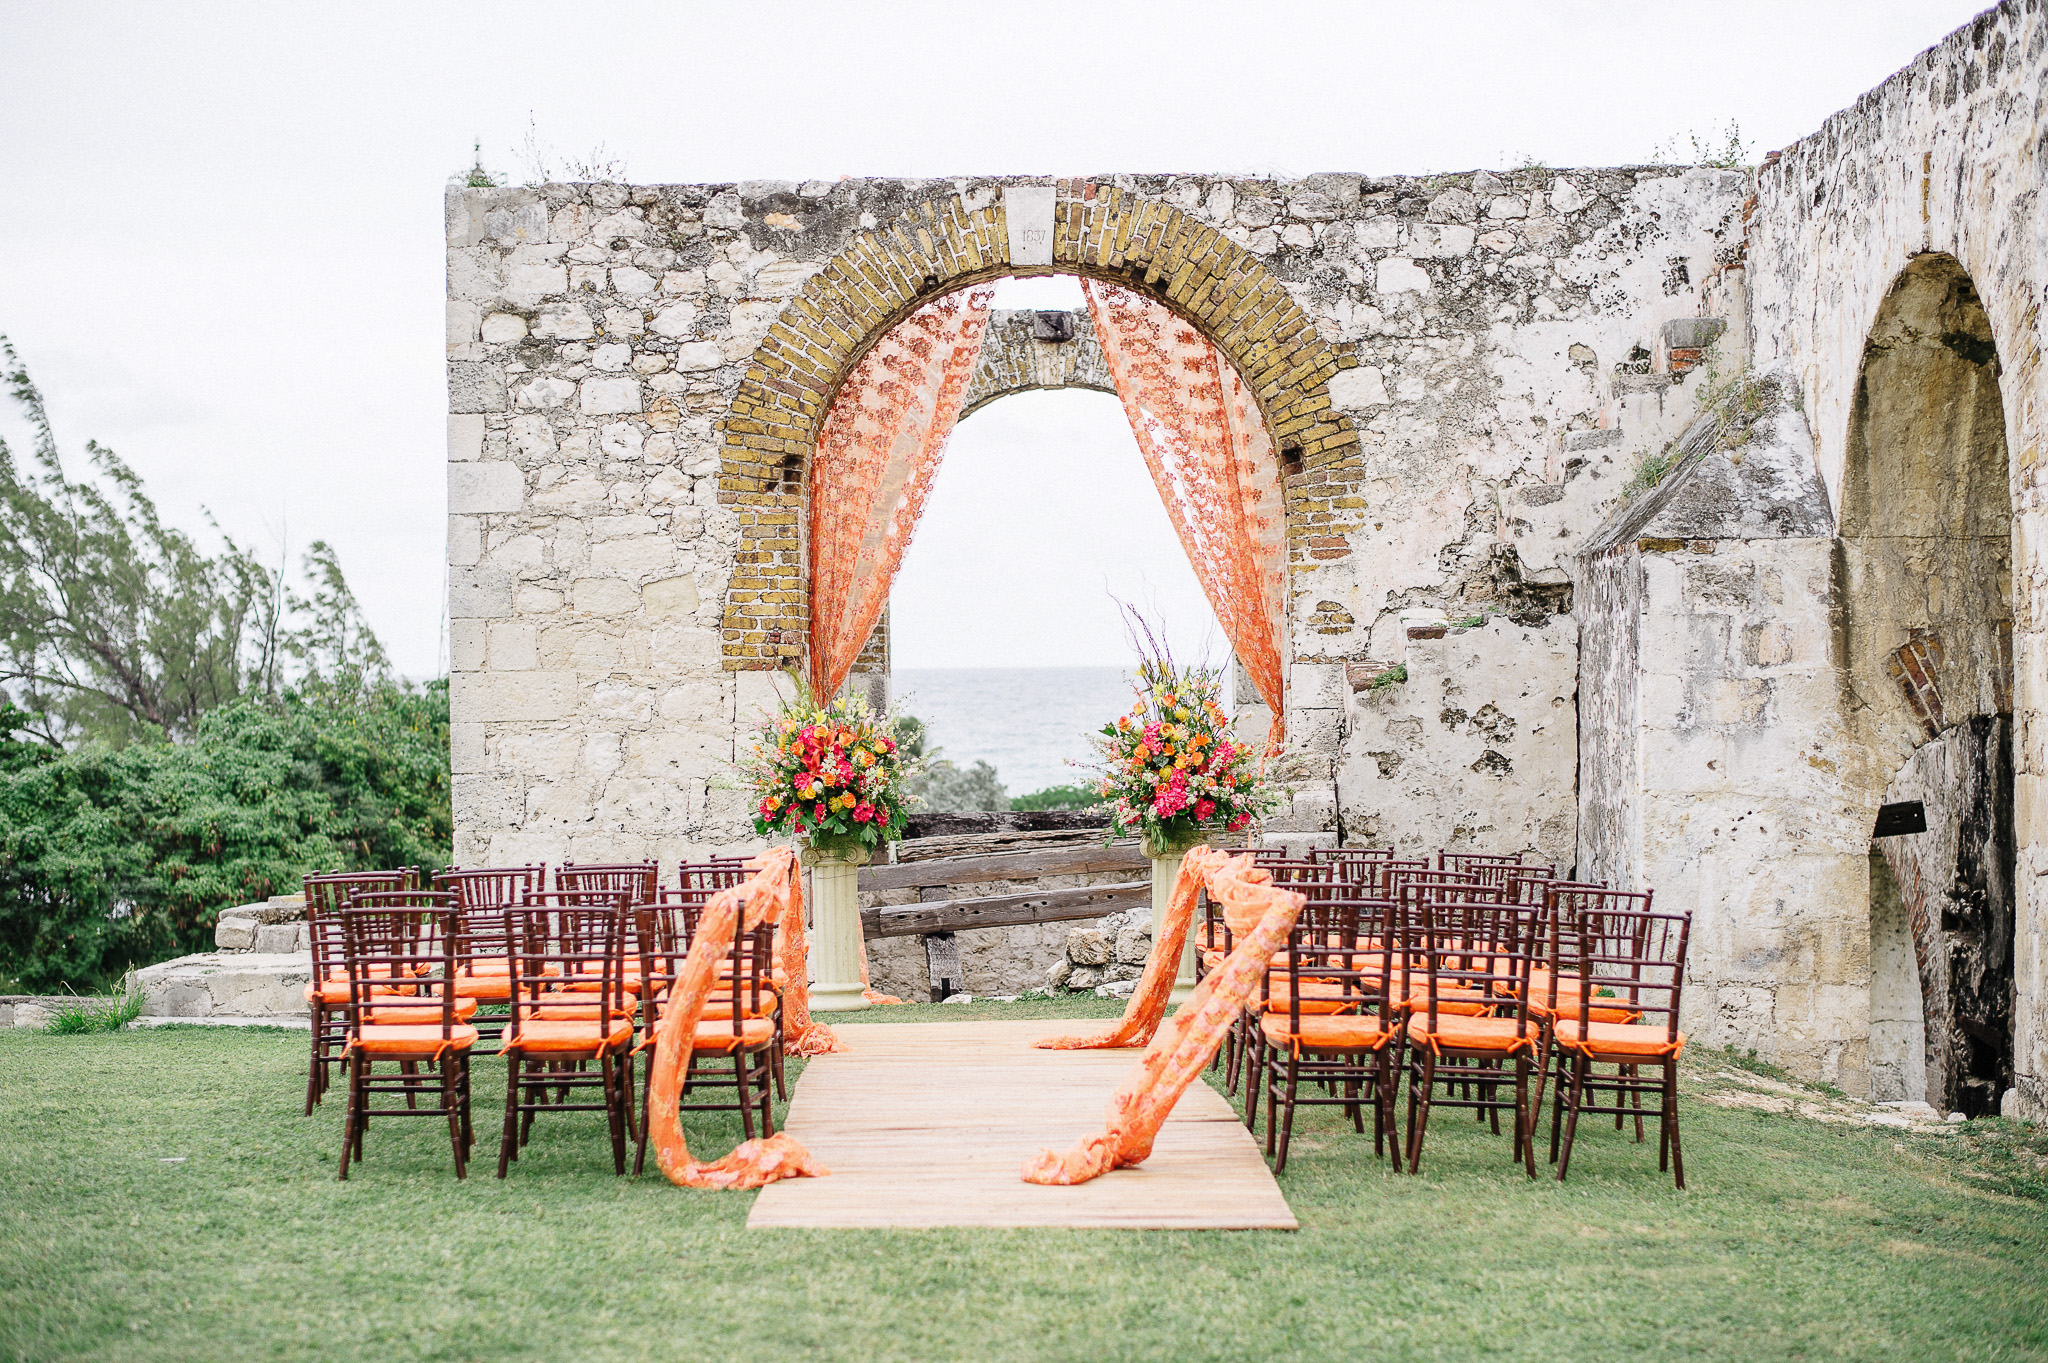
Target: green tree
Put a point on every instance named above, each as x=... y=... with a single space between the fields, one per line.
x=111 y=858
x=116 y=627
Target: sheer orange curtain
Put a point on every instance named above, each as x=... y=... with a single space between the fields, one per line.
x=1212 y=459
x=877 y=455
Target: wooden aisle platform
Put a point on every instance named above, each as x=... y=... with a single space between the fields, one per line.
x=927 y=1124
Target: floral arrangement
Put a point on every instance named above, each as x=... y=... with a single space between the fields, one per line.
x=832 y=773
x=1170 y=770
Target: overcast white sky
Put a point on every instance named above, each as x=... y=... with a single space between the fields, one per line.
x=221 y=245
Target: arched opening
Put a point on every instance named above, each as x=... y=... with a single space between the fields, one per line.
x=1926 y=539
x=1003 y=634
x=1230 y=295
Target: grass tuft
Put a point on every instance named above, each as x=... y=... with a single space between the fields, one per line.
x=87 y=1016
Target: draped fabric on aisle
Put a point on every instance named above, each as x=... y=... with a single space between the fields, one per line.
x=877 y=454
x=1148 y=1001
x=1260 y=916
x=772 y=894
x=1212 y=459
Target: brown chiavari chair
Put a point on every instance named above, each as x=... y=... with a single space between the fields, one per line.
x=1488 y=868
x=1468 y=947
x=327 y=995
x=1627 y=992
x=707 y=877
x=637 y=879
x=1333 y=1027
x=742 y=1019
x=1617 y=974
x=482 y=895
x=569 y=1009
x=398 y=950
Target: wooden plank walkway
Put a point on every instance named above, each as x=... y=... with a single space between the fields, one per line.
x=927 y=1124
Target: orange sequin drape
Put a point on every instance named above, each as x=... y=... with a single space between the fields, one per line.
x=772 y=894
x=878 y=452
x=1260 y=916
x=1210 y=455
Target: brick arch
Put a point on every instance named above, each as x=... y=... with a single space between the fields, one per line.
x=945 y=244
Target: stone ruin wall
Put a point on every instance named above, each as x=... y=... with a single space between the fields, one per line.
x=1948 y=157
x=620 y=537
x=1460 y=372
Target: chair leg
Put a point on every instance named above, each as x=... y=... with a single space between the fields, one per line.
x=1670 y=1122
x=1635 y=1100
x=451 y=1104
x=348 y=1121
x=767 y=1102
x=640 y=1153
x=739 y=1076
x=1557 y=1115
x=1287 y=1119
x=1387 y=1103
x=1418 y=1125
x=614 y=1110
x=1571 y=1123
x=1254 y=1079
x=508 y=1139
x=316 y=1066
x=1525 y=1141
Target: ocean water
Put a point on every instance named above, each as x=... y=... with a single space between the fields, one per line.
x=1026 y=722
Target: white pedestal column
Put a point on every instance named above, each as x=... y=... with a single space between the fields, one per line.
x=834 y=902
x=1166 y=870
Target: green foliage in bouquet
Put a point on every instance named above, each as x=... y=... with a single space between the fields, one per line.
x=833 y=774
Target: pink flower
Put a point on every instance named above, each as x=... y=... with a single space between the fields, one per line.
x=864 y=812
x=1238 y=824
x=1205 y=809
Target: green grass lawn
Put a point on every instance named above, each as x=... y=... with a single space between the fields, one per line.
x=1795 y=1240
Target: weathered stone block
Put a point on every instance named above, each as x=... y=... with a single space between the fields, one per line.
x=476 y=387
x=485 y=488
x=1087 y=946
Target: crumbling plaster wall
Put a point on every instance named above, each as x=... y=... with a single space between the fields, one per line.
x=600 y=337
x=1709 y=702
x=1947 y=156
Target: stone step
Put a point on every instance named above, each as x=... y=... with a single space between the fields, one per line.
x=256 y=986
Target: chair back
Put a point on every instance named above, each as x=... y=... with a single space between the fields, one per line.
x=398 y=951
x=1489 y=869
x=1622 y=955
x=1346 y=942
x=707 y=877
x=564 y=945
x=326 y=893
x=1468 y=946
x=1381 y=877
x=482 y=895
x=638 y=879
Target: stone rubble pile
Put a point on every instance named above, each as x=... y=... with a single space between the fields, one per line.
x=1107 y=958
x=274 y=926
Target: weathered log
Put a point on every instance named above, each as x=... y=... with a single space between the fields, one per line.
x=975 y=844
x=1090 y=858
x=1004 y=910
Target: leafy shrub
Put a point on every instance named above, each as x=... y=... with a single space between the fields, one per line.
x=111 y=858
x=1083 y=796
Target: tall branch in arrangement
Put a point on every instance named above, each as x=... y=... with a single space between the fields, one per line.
x=878 y=453
x=1206 y=444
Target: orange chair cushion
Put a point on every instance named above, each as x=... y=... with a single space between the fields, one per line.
x=566 y=1034
x=489 y=988
x=717 y=1035
x=1328 y=1033
x=629 y=983
x=1458 y=1033
x=1317 y=996
x=425 y=1010
x=570 y=1012
x=410 y=1039
x=1608 y=1039
x=1450 y=1001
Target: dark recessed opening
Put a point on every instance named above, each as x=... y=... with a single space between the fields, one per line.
x=1290 y=460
